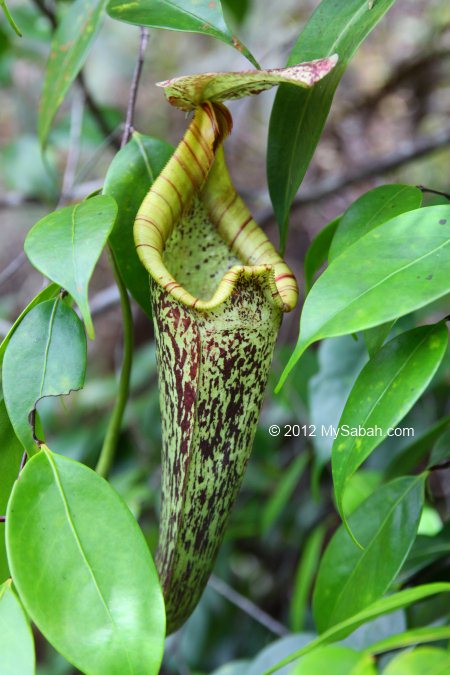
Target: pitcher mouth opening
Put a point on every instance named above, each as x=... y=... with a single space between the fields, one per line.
x=196 y=180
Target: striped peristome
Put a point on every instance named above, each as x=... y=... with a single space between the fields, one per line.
x=219 y=289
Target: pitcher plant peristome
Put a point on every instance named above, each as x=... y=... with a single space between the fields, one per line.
x=219 y=289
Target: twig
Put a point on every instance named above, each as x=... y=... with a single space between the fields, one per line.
x=407 y=153
x=440 y=467
x=12 y=267
x=135 y=87
x=406 y=71
x=97 y=114
x=434 y=192
x=104 y=300
x=76 y=125
x=247 y=606
x=112 y=434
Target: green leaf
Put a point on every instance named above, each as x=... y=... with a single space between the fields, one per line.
x=371 y=210
x=69 y=49
x=376 y=337
x=190 y=91
x=384 y=392
x=11 y=452
x=193 y=16
x=441 y=451
x=350 y=579
x=66 y=245
x=395 y=269
x=283 y=493
x=238 y=8
x=277 y=650
x=298 y=116
x=413 y=453
x=305 y=574
x=317 y=253
x=335 y=659
x=379 y=608
x=129 y=177
x=340 y=362
x=422 y=660
x=83 y=569
x=425 y=551
x=411 y=637
x=16 y=638
x=47 y=293
x=359 y=487
x=10 y=18
x=46 y=356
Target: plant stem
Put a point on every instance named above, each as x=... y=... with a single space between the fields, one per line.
x=134 y=87
x=112 y=434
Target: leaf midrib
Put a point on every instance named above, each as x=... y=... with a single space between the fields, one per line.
x=47 y=347
x=374 y=538
x=311 y=91
x=382 y=394
x=373 y=217
x=317 y=335
x=79 y=545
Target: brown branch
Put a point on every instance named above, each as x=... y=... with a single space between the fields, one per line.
x=247 y=606
x=434 y=192
x=408 y=152
x=406 y=72
x=128 y=130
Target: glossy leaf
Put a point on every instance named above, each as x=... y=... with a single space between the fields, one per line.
x=16 y=639
x=384 y=392
x=411 y=637
x=193 y=16
x=283 y=493
x=340 y=362
x=70 y=46
x=305 y=574
x=376 y=337
x=360 y=486
x=98 y=600
x=49 y=292
x=371 y=210
x=425 y=551
x=350 y=579
x=441 y=450
x=66 y=245
x=11 y=452
x=386 y=605
x=395 y=269
x=190 y=91
x=46 y=356
x=335 y=659
x=413 y=453
x=277 y=650
x=130 y=175
x=298 y=116
x=421 y=660
x=317 y=253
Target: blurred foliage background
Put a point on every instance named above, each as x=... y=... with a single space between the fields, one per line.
x=389 y=123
